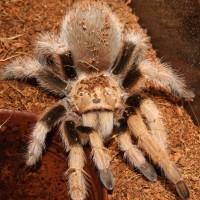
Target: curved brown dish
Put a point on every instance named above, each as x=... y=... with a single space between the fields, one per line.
x=45 y=180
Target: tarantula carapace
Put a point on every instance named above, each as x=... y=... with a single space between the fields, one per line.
x=103 y=72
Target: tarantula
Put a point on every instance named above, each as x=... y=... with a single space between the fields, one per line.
x=103 y=72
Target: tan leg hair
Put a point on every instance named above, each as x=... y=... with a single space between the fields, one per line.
x=100 y=157
x=50 y=43
x=157 y=153
x=21 y=68
x=154 y=119
x=76 y=160
x=135 y=156
x=162 y=76
x=131 y=152
x=36 y=144
x=49 y=119
x=76 y=174
x=101 y=160
x=152 y=147
x=142 y=43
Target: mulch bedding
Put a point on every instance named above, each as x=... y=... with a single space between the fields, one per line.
x=21 y=22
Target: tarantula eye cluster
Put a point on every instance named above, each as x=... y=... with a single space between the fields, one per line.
x=98 y=92
x=101 y=70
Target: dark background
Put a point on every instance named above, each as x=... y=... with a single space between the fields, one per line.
x=174 y=27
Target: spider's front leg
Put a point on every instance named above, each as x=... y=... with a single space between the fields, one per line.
x=131 y=152
x=98 y=125
x=151 y=114
x=157 y=152
x=76 y=161
x=72 y=138
x=100 y=156
x=42 y=127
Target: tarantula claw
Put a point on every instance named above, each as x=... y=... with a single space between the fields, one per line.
x=148 y=171
x=182 y=190
x=107 y=178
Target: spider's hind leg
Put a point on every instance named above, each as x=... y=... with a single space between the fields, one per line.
x=53 y=52
x=21 y=68
x=143 y=68
x=162 y=77
x=57 y=64
x=53 y=66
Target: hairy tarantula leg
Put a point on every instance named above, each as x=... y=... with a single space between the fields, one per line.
x=121 y=63
x=152 y=115
x=157 y=153
x=154 y=119
x=101 y=160
x=52 y=82
x=100 y=156
x=57 y=64
x=136 y=157
x=42 y=127
x=21 y=68
x=49 y=43
x=76 y=161
x=25 y=67
x=53 y=52
x=133 y=154
x=162 y=76
x=142 y=67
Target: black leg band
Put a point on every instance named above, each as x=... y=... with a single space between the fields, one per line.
x=71 y=133
x=134 y=100
x=84 y=129
x=52 y=116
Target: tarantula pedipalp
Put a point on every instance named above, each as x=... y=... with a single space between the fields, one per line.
x=102 y=70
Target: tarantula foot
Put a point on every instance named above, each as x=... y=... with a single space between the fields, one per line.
x=107 y=178
x=182 y=189
x=148 y=171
